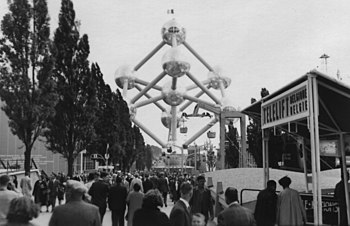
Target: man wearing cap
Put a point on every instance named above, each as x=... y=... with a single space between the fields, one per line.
x=201 y=201
x=235 y=214
x=75 y=212
x=5 y=197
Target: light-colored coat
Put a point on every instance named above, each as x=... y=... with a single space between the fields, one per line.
x=290 y=208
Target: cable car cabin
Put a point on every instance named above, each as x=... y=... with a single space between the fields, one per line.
x=183 y=129
x=211 y=134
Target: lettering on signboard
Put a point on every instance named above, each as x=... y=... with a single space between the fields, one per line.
x=290 y=105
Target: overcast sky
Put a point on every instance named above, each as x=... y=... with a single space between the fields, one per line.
x=256 y=43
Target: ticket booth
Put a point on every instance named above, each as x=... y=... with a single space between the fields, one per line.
x=316 y=109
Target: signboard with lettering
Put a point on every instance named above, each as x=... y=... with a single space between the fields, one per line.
x=329 y=148
x=286 y=107
x=329 y=208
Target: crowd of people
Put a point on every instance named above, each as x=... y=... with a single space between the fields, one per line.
x=137 y=199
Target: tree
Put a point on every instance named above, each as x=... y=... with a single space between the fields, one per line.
x=211 y=158
x=26 y=86
x=232 y=149
x=107 y=125
x=254 y=138
x=71 y=130
x=148 y=157
x=254 y=134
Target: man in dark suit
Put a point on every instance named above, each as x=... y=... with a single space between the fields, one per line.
x=266 y=205
x=235 y=214
x=53 y=191
x=98 y=192
x=163 y=187
x=180 y=214
x=147 y=184
x=117 y=202
x=201 y=201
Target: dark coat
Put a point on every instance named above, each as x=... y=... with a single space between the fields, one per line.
x=147 y=185
x=265 y=208
x=163 y=185
x=117 y=197
x=40 y=192
x=236 y=215
x=202 y=202
x=53 y=188
x=99 y=192
x=180 y=215
x=147 y=216
x=339 y=195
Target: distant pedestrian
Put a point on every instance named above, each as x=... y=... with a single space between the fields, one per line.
x=235 y=214
x=15 y=181
x=339 y=195
x=147 y=184
x=21 y=211
x=150 y=214
x=75 y=212
x=163 y=187
x=40 y=192
x=6 y=196
x=201 y=201
x=136 y=180
x=99 y=192
x=26 y=185
x=290 y=208
x=180 y=214
x=117 y=202
x=265 y=208
x=134 y=201
x=53 y=191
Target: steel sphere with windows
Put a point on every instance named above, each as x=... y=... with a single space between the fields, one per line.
x=125 y=74
x=174 y=62
x=173 y=29
x=216 y=77
x=173 y=97
x=167 y=117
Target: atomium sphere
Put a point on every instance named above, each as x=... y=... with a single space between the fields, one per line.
x=216 y=77
x=173 y=29
x=125 y=74
x=166 y=119
x=226 y=104
x=132 y=111
x=173 y=97
x=174 y=63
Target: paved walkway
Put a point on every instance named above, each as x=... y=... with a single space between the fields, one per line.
x=44 y=217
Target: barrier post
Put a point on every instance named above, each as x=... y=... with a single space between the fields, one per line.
x=219 y=191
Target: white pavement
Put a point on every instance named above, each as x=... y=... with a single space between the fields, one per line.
x=44 y=217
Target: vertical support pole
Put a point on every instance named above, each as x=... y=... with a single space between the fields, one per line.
x=219 y=191
x=345 y=176
x=81 y=162
x=313 y=151
x=173 y=123
x=266 y=136
x=125 y=88
x=182 y=160
x=243 y=139
x=221 y=163
x=317 y=149
x=264 y=157
x=302 y=143
x=195 y=158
